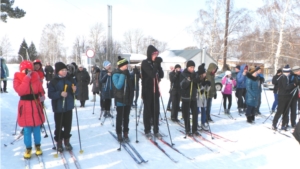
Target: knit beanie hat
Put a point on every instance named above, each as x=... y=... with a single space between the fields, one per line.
x=201 y=69
x=106 y=63
x=59 y=66
x=121 y=61
x=177 y=66
x=257 y=68
x=286 y=69
x=238 y=67
x=227 y=72
x=190 y=63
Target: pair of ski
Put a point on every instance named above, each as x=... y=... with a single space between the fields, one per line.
x=124 y=145
x=40 y=159
x=169 y=145
x=228 y=115
x=278 y=131
x=64 y=159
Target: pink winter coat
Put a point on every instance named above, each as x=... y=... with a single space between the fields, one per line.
x=229 y=84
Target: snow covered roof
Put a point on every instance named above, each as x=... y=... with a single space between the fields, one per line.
x=179 y=55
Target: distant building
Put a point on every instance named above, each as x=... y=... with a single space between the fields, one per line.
x=173 y=57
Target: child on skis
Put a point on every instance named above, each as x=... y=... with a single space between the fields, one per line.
x=61 y=90
x=203 y=88
x=228 y=83
x=122 y=93
x=30 y=112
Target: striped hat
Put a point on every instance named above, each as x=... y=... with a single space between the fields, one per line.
x=106 y=63
x=121 y=61
x=286 y=69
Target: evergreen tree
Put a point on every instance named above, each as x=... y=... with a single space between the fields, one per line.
x=6 y=10
x=32 y=52
x=23 y=51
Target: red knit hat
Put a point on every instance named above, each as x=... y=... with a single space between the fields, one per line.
x=26 y=64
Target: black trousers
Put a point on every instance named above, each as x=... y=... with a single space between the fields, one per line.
x=151 y=111
x=241 y=95
x=225 y=98
x=82 y=102
x=282 y=109
x=106 y=104
x=122 y=117
x=293 y=108
x=186 y=107
x=63 y=124
x=175 y=103
x=4 y=85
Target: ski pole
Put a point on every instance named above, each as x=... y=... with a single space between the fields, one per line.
x=45 y=113
x=266 y=97
x=220 y=106
x=81 y=151
x=122 y=121
x=154 y=115
x=38 y=108
x=136 y=125
x=286 y=110
x=140 y=112
x=61 y=120
x=15 y=128
x=94 y=104
x=165 y=114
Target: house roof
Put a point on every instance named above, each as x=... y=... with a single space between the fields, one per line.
x=179 y=55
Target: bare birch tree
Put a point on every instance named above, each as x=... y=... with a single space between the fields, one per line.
x=51 y=43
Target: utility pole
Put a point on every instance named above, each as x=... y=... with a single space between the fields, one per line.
x=226 y=36
x=109 y=32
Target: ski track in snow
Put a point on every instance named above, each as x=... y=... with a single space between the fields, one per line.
x=255 y=146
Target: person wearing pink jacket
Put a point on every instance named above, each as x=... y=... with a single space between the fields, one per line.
x=228 y=83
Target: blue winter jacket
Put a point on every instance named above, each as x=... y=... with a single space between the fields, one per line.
x=240 y=78
x=4 y=70
x=253 y=92
x=106 y=85
x=55 y=87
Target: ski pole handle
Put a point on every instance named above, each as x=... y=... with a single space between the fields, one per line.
x=65 y=89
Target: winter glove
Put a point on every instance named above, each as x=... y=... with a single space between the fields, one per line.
x=231 y=78
x=157 y=61
x=207 y=83
x=215 y=96
x=42 y=98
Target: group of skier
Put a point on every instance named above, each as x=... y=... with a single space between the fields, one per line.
x=194 y=88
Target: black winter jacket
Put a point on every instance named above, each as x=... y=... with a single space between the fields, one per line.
x=284 y=87
x=275 y=82
x=175 y=80
x=187 y=86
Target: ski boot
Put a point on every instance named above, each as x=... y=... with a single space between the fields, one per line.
x=38 y=150
x=68 y=146
x=27 y=154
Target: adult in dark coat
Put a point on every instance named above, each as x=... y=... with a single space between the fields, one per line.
x=82 y=79
x=294 y=79
x=95 y=82
x=253 y=93
x=106 y=87
x=284 y=96
x=175 y=92
x=151 y=74
x=188 y=84
x=275 y=90
x=49 y=72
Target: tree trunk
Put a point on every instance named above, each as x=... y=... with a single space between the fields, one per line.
x=280 y=40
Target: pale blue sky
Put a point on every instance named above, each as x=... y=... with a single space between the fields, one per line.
x=165 y=20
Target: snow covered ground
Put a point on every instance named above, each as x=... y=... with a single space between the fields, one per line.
x=254 y=146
